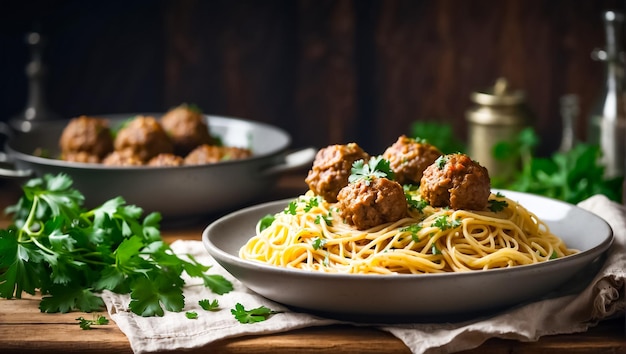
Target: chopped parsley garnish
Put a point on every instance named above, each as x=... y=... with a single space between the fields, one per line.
x=415 y=204
x=435 y=250
x=291 y=208
x=266 y=221
x=209 y=305
x=497 y=205
x=70 y=254
x=413 y=229
x=258 y=314
x=441 y=162
x=554 y=255
x=328 y=220
x=311 y=203
x=318 y=243
x=376 y=167
x=192 y=315
x=444 y=223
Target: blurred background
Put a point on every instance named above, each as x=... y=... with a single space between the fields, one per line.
x=327 y=71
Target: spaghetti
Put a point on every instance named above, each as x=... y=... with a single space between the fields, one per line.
x=309 y=234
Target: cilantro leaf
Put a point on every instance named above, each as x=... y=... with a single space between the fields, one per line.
x=258 y=314
x=192 y=315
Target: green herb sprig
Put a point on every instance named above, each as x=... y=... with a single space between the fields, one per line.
x=70 y=253
x=375 y=167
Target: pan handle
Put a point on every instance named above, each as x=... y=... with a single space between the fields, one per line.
x=293 y=161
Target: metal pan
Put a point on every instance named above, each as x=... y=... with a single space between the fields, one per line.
x=176 y=192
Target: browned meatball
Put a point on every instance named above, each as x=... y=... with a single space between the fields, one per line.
x=88 y=135
x=331 y=169
x=456 y=181
x=80 y=156
x=122 y=158
x=408 y=158
x=187 y=129
x=205 y=154
x=366 y=204
x=144 y=138
x=166 y=160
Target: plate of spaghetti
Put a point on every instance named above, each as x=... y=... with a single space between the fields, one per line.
x=371 y=241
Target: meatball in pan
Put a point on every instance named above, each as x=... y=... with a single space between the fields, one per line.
x=144 y=138
x=186 y=128
x=86 y=139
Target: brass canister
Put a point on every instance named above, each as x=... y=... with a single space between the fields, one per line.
x=499 y=114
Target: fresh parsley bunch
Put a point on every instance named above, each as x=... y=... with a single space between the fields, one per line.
x=70 y=253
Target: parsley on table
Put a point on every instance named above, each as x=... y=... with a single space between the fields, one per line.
x=258 y=314
x=209 y=305
x=98 y=320
x=192 y=315
x=375 y=167
x=70 y=253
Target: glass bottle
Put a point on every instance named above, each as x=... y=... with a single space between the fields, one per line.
x=607 y=120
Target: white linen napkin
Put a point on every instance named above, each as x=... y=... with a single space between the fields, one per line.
x=602 y=298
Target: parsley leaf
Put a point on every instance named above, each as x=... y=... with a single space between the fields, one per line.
x=497 y=205
x=444 y=223
x=192 y=315
x=209 y=305
x=376 y=167
x=291 y=208
x=266 y=221
x=258 y=314
x=413 y=230
x=318 y=243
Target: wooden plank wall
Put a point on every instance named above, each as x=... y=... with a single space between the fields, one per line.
x=327 y=71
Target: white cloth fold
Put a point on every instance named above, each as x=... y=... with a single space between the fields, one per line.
x=602 y=298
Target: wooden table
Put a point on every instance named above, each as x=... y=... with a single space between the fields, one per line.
x=24 y=329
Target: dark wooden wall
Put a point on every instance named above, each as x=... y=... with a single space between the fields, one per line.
x=326 y=71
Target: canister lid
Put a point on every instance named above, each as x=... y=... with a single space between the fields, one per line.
x=500 y=94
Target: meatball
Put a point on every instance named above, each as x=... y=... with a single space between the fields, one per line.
x=186 y=128
x=456 y=181
x=205 y=154
x=408 y=158
x=88 y=135
x=144 y=138
x=80 y=156
x=366 y=204
x=331 y=169
x=122 y=158
x=166 y=160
